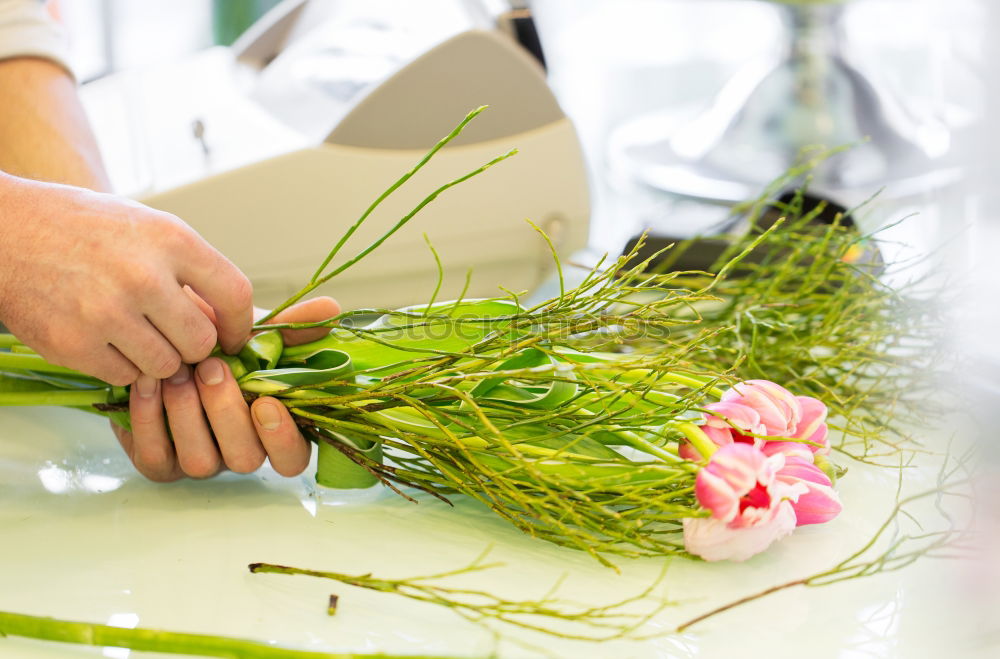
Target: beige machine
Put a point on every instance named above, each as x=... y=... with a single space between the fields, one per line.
x=281 y=164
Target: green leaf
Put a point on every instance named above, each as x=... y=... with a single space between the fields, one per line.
x=394 y=340
x=272 y=381
x=262 y=351
x=336 y=470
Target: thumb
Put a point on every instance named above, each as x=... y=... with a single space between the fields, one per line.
x=307 y=311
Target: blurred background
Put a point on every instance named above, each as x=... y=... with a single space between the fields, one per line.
x=682 y=107
x=652 y=85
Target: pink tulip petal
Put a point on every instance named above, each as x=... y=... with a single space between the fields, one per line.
x=770 y=467
x=817 y=506
x=818 y=502
x=813 y=426
x=717 y=495
x=738 y=464
x=813 y=414
x=689 y=452
x=720 y=436
x=778 y=408
x=804 y=469
x=736 y=414
x=714 y=540
x=819 y=442
x=788 y=449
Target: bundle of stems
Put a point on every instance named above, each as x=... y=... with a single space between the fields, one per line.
x=488 y=399
x=565 y=417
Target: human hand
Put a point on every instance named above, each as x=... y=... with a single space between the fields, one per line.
x=209 y=402
x=97 y=283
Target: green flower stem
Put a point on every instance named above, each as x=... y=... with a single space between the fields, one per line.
x=399 y=182
x=24 y=362
x=693 y=382
x=429 y=430
x=63 y=398
x=155 y=640
x=701 y=442
x=637 y=442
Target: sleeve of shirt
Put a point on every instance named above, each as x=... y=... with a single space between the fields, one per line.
x=26 y=30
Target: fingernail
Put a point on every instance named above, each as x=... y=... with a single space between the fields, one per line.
x=267 y=415
x=210 y=371
x=146 y=385
x=181 y=376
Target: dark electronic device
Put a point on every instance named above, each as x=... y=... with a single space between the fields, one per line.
x=702 y=252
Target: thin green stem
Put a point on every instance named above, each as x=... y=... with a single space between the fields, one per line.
x=318 y=279
x=555 y=258
x=155 y=640
x=392 y=188
x=409 y=216
x=639 y=443
x=440 y=272
x=384 y=237
x=599 y=623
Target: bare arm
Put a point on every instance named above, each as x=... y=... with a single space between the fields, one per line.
x=102 y=284
x=90 y=280
x=44 y=133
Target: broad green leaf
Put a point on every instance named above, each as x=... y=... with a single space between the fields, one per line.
x=391 y=342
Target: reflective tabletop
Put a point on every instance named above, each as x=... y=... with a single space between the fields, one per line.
x=83 y=537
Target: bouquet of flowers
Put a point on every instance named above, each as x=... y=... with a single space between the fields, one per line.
x=616 y=418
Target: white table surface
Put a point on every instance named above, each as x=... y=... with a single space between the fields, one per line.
x=83 y=537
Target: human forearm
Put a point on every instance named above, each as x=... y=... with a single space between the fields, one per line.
x=43 y=130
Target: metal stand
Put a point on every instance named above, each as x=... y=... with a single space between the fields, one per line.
x=772 y=115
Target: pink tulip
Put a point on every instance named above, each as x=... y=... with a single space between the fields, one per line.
x=719 y=424
x=812 y=428
x=731 y=414
x=763 y=408
x=750 y=507
x=714 y=540
x=819 y=503
x=737 y=477
x=812 y=425
x=779 y=409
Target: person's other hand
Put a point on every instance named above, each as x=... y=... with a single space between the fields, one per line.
x=211 y=425
x=97 y=283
